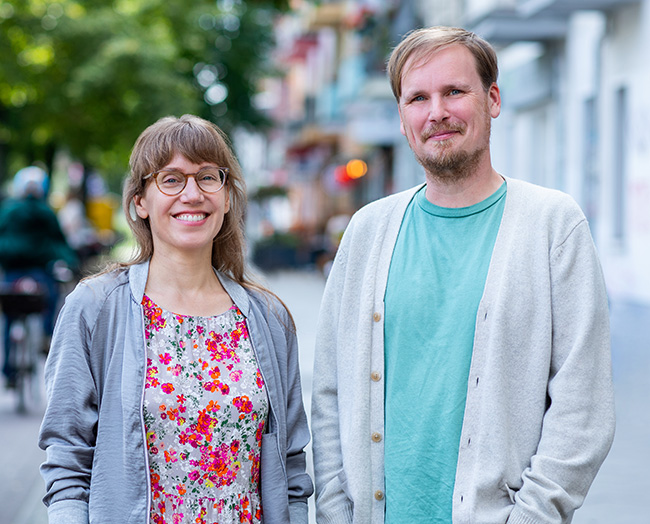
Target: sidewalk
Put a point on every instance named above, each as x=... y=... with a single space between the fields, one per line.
x=619 y=495
x=20 y=482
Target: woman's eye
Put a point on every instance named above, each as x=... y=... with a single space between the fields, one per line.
x=171 y=180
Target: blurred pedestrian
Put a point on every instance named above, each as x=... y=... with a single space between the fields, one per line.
x=173 y=382
x=78 y=230
x=31 y=242
x=462 y=368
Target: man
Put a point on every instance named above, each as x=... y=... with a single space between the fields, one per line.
x=463 y=369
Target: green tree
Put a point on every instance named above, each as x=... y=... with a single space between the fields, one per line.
x=88 y=76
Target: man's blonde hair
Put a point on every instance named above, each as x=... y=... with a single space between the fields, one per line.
x=420 y=43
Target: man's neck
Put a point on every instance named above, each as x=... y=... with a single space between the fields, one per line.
x=464 y=192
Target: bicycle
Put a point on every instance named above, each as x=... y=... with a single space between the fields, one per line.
x=24 y=301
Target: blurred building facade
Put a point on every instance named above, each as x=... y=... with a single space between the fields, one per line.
x=575 y=112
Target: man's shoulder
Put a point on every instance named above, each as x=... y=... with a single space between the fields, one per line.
x=534 y=197
x=382 y=206
x=533 y=210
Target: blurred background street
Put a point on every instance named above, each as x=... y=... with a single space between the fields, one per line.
x=300 y=88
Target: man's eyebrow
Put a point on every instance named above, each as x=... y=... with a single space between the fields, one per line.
x=413 y=93
x=458 y=85
x=462 y=86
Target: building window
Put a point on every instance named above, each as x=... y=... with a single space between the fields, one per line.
x=620 y=161
x=591 y=176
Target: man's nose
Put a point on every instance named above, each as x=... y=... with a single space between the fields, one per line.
x=438 y=110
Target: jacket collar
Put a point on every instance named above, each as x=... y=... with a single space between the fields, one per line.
x=138 y=274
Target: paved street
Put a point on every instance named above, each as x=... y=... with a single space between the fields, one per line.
x=20 y=482
x=619 y=494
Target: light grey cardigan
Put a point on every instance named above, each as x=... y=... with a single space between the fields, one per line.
x=539 y=418
x=93 y=430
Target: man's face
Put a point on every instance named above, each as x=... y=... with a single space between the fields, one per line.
x=446 y=113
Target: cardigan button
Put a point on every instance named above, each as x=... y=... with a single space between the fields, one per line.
x=376 y=437
x=375 y=376
x=376 y=317
x=379 y=495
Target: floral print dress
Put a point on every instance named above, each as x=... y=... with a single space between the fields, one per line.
x=205 y=410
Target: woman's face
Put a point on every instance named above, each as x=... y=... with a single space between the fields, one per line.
x=187 y=222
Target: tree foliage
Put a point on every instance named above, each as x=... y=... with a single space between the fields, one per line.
x=88 y=76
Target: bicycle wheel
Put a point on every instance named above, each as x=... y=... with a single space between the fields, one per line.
x=25 y=340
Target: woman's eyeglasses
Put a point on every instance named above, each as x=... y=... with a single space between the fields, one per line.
x=171 y=182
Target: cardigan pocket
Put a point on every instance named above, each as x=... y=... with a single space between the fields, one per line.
x=343 y=480
x=511 y=492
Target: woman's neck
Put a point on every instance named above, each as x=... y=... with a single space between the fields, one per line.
x=186 y=286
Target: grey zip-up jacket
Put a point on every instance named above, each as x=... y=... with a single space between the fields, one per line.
x=539 y=417
x=96 y=468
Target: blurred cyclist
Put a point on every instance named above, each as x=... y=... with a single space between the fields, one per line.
x=31 y=241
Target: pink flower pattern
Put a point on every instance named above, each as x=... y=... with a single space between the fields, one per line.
x=205 y=410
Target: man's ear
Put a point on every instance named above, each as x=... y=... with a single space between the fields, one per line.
x=494 y=100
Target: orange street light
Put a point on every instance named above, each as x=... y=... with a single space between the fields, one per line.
x=356 y=168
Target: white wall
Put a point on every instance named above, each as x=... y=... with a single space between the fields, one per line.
x=625 y=64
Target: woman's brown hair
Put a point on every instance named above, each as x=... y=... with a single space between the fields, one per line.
x=199 y=141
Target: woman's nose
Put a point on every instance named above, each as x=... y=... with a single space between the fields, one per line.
x=191 y=191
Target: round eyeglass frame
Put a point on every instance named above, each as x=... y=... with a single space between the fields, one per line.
x=154 y=175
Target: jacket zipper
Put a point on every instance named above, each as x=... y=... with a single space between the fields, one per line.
x=142 y=424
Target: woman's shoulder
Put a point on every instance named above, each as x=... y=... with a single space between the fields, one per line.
x=95 y=290
x=266 y=299
x=268 y=308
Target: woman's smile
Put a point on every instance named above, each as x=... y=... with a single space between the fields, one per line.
x=190 y=217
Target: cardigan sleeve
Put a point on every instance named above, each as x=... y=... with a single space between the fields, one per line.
x=333 y=505
x=68 y=430
x=578 y=425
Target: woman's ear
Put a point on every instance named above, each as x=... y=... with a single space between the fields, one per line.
x=138 y=206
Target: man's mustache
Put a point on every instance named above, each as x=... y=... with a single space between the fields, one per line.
x=441 y=128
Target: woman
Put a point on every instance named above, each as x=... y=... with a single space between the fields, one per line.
x=173 y=382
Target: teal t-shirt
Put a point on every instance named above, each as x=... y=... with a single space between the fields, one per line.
x=435 y=283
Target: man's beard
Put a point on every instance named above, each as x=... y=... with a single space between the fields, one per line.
x=452 y=166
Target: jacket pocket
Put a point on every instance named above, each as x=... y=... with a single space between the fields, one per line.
x=274 y=491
